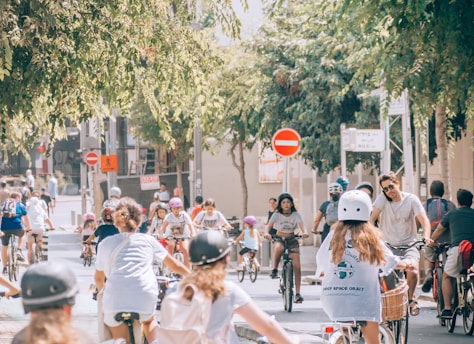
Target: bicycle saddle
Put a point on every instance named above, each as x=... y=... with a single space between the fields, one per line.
x=126 y=316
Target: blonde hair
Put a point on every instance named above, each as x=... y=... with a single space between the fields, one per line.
x=127 y=215
x=365 y=239
x=51 y=326
x=253 y=231
x=208 y=278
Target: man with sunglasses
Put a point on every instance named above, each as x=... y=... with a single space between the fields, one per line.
x=397 y=213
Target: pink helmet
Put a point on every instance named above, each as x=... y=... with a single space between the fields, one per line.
x=175 y=202
x=88 y=216
x=250 y=220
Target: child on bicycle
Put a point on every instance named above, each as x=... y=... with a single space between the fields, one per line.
x=350 y=259
x=177 y=223
x=87 y=229
x=210 y=218
x=287 y=221
x=160 y=212
x=251 y=237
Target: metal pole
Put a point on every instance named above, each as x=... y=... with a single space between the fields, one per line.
x=83 y=167
x=343 y=151
x=285 y=175
x=197 y=160
x=407 y=145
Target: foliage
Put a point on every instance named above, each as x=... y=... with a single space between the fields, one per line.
x=61 y=61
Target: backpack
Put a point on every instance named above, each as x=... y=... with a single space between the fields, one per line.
x=330 y=215
x=466 y=254
x=184 y=321
x=433 y=207
x=8 y=208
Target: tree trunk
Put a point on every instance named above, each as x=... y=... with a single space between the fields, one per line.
x=241 y=168
x=443 y=148
x=179 y=181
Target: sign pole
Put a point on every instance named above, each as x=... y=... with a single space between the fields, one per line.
x=285 y=175
x=286 y=142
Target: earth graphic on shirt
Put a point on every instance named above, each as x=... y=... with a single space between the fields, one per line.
x=344 y=270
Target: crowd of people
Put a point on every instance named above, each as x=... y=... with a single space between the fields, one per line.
x=355 y=232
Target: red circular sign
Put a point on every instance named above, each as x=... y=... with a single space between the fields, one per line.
x=286 y=142
x=91 y=158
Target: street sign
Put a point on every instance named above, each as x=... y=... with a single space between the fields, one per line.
x=363 y=140
x=91 y=158
x=109 y=163
x=150 y=182
x=286 y=142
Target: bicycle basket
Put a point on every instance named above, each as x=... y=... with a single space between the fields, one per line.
x=395 y=302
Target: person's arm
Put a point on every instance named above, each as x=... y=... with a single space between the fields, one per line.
x=27 y=222
x=12 y=289
x=264 y=324
x=317 y=221
x=303 y=230
x=49 y=223
x=375 y=215
x=240 y=237
x=175 y=265
x=99 y=279
x=425 y=224
x=438 y=232
x=90 y=238
x=162 y=229
x=267 y=230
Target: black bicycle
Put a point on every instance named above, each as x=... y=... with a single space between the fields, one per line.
x=440 y=254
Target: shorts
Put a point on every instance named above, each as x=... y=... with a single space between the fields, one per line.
x=8 y=233
x=245 y=250
x=451 y=267
x=35 y=231
x=293 y=244
x=430 y=253
x=412 y=253
x=109 y=319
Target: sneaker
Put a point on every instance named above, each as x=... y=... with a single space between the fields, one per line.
x=82 y=255
x=19 y=256
x=274 y=273
x=94 y=295
x=5 y=270
x=299 y=298
x=447 y=313
x=240 y=267
x=426 y=287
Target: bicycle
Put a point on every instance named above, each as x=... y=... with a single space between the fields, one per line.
x=463 y=302
x=87 y=257
x=350 y=333
x=129 y=319
x=287 y=275
x=36 y=250
x=440 y=254
x=177 y=253
x=400 y=326
x=250 y=265
x=13 y=266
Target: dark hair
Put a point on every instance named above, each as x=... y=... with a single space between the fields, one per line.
x=210 y=202
x=272 y=199
x=281 y=198
x=388 y=176
x=199 y=199
x=464 y=198
x=437 y=188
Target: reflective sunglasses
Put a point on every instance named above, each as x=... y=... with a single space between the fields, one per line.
x=389 y=187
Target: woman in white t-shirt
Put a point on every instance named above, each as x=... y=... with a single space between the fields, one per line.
x=209 y=254
x=350 y=259
x=286 y=220
x=126 y=260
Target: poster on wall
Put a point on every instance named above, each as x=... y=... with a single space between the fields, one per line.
x=270 y=166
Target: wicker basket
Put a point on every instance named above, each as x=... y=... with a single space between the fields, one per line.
x=395 y=302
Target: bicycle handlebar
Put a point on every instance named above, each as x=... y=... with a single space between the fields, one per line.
x=178 y=237
x=418 y=243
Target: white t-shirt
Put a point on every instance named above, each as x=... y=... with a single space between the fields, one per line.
x=397 y=219
x=216 y=220
x=286 y=224
x=351 y=290
x=36 y=213
x=131 y=283
x=180 y=223
x=220 y=328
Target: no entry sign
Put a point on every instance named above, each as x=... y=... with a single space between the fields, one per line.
x=91 y=158
x=286 y=142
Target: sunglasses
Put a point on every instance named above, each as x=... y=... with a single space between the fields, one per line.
x=389 y=187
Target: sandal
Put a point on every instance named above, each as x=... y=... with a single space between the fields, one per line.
x=414 y=308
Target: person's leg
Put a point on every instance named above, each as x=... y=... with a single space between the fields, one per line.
x=4 y=255
x=430 y=257
x=451 y=270
x=277 y=252
x=371 y=332
x=21 y=241
x=12 y=289
x=447 y=286
x=296 y=270
x=30 y=249
x=120 y=331
x=150 y=329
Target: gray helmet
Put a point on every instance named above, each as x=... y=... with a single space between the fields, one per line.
x=115 y=191
x=207 y=247
x=47 y=285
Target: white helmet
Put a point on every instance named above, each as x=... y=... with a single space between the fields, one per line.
x=354 y=205
x=335 y=188
x=115 y=191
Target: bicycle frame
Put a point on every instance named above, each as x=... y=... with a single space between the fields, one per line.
x=249 y=266
x=350 y=333
x=463 y=303
x=287 y=278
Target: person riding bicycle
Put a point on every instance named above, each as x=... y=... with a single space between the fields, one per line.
x=287 y=221
x=460 y=223
x=328 y=210
x=106 y=229
x=38 y=219
x=48 y=291
x=349 y=261
x=12 y=213
x=126 y=261
x=209 y=255
x=114 y=197
x=177 y=223
x=398 y=213
x=87 y=229
x=210 y=218
x=251 y=237
x=161 y=210
x=436 y=207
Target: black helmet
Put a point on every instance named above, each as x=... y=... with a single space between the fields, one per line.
x=47 y=284
x=283 y=196
x=207 y=247
x=366 y=185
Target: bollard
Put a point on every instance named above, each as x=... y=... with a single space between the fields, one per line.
x=73 y=218
x=44 y=247
x=79 y=220
x=233 y=254
x=265 y=253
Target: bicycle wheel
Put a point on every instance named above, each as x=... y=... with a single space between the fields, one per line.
x=241 y=274
x=253 y=272
x=451 y=322
x=10 y=265
x=288 y=292
x=438 y=294
x=468 y=310
x=338 y=338
x=386 y=335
